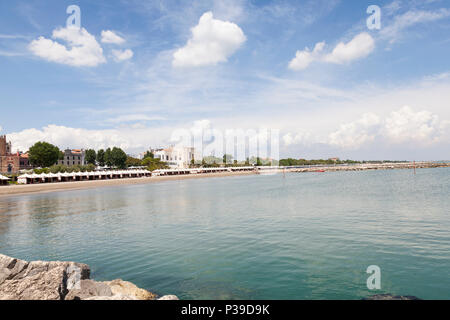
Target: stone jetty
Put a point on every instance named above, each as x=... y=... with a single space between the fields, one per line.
x=56 y=280
x=369 y=166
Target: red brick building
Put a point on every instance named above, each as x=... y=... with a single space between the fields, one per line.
x=11 y=162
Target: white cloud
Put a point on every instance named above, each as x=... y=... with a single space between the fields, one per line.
x=83 y=49
x=405 y=125
x=401 y=22
x=122 y=55
x=65 y=137
x=399 y=127
x=359 y=47
x=354 y=134
x=304 y=58
x=109 y=36
x=298 y=138
x=212 y=41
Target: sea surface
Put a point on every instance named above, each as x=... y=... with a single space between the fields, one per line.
x=298 y=236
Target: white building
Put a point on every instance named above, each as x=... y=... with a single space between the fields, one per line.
x=175 y=157
x=73 y=157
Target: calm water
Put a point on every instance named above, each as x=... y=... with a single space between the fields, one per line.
x=305 y=236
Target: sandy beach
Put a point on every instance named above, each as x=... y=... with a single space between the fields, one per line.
x=15 y=190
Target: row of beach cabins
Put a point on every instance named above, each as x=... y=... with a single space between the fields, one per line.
x=116 y=174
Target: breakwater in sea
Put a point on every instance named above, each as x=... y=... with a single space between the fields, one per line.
x=369 y=166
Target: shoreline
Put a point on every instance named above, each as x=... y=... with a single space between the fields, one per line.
x=21 y=190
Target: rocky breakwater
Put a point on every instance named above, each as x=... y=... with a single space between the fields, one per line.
x=55 y=280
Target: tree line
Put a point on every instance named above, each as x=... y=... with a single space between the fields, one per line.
x=46 y=155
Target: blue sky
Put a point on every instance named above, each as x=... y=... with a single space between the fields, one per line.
x=166 y=65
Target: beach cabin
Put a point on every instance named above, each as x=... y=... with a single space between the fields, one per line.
x=4 y=181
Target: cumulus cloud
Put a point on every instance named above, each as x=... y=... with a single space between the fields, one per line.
x=354 y=134
x=406 y=125
x=296 y=138
x=111 y=37
x=399 y=127
x=65 y=137
x=122 y=55
x=304 y=58
x=212 y=41
x=82 y=48
x=359 y=47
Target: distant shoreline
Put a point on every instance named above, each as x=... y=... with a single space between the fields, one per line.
x=19 y=190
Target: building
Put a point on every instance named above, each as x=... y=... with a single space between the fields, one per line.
x=73 y=157
x=175 y=157
x=12 y=162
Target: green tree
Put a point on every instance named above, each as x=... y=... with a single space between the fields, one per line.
x=227 y=158
x=118 y=158
x=153 y=164
x=149 y=154
x=43 y=154
x=258 y=162
x=108 y=158
x=91 y=156
x=133 y=162
x=101 y=157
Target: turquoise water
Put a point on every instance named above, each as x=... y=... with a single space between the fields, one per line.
x=305 y=236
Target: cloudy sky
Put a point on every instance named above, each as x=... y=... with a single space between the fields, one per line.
x=138 y=70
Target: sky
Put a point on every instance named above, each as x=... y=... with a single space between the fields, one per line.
x=315 y=71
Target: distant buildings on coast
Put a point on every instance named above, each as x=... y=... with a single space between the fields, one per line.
x=175 y=157
x=12 y=162
x=73 y=158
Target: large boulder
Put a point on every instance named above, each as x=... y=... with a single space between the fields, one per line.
x=89 y=288
x=37 y=280
x=124 y=288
